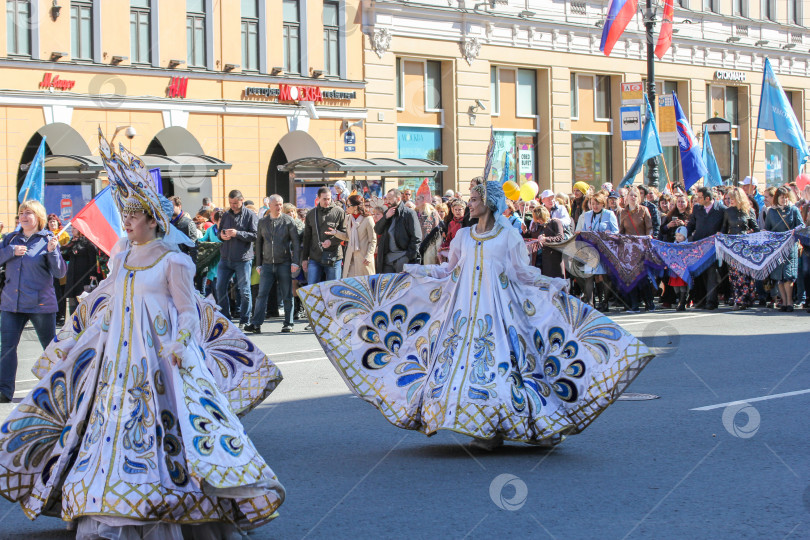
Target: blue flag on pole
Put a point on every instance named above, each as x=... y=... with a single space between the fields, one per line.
x=691 y=161
x=776 y=114
x=506 y=168
x=649 y=148
x=712 y=177
x=33 y=189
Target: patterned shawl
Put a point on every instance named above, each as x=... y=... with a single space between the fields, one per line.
x=687 y=259
x=628 y=258
x=757 y=254
x=803 y=236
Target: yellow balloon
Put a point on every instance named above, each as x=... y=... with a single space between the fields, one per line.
x=511 y=190
x=528 y=191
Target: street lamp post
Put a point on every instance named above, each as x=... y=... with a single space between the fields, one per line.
x=649 y=23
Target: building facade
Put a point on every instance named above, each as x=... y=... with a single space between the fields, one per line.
x=216 y=95
x=442 y=73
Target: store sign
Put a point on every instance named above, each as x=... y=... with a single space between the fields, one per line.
x=736 y=76
x=52 y=82
x=177 y=87
x=290 y=93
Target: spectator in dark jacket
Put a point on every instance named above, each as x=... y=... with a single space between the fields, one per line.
x=185 y=225
x=400 y=235
x=83 y=258
x=322 y=255
x=237 y=230
x=277 y=256
x=706 y=220
x=32 y=259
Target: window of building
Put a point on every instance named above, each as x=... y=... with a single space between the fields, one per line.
x=81 y=30
x=574 y=97
x=433 y=86
x=420 y=143
x=769 y=9
x=195 y=33
x=331 y=31
x=399 y=80
x=602 y=97
x=526 y=92
x=794 y=12
x=494 y=91
x=591 y=158
x=740 y=8
x=139 y=31
x=291 y=37
x=250 y=35
x=711 y=5
x=18 y=27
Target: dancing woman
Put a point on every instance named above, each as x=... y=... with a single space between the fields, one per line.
x=133 y=430
x=483 y=345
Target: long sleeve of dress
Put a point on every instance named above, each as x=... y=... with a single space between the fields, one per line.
x=528 y=274
x=439 y=271
x=180 y=277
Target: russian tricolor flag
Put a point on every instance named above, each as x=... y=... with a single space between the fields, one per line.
x=619 y=15
x=100 y=221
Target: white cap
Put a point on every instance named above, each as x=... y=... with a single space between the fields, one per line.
x=749 y=181
x=546 y=193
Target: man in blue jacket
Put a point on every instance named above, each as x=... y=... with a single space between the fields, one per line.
x=706 y=220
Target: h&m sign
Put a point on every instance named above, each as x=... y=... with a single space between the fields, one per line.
x=177 y=87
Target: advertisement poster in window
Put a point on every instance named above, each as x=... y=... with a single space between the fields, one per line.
x=65 y=200
x=420 y=143
x=525 y=149
x=777 y=163
x=503 y=160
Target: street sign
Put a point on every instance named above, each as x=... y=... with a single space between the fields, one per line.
x=349 y=148
x=667 y=126
x=349 y=138
x=631 y=123
x=633 y=93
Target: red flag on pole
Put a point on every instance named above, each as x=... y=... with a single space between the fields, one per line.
x=665 y=36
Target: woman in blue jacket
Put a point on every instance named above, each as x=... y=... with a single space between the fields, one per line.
x=33 y=260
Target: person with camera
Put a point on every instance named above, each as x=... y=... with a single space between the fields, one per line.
x=321 y=253
x=32 y=259
x=400 y=235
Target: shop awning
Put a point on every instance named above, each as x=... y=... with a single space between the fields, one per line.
x=183 y=166
x=323 y=168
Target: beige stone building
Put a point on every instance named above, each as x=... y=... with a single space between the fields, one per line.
x=442 y=73
x=215 y=94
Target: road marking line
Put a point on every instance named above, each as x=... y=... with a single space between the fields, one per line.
x=752 y=400
x=619 y=322
x=295 y=352
x=299 y=361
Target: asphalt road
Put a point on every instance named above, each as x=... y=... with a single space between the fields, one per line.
x=645 y=469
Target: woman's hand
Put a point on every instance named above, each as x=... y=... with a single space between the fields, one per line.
x=52 y=243
x=366 y=262
x=19 y=251
x=330 y=231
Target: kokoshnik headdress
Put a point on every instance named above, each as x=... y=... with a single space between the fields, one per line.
x=493 y=195
x=132 y=186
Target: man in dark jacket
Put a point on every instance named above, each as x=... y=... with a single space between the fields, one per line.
x=655 y=215
x=278 y=253
x=400 y=235
x=707 y=219
x=185 y=225
x=322 y=255
x=237 y=230
x=82 y=257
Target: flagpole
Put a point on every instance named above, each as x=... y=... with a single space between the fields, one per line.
x=649 y=23
x=666 y=171
x=753 y=155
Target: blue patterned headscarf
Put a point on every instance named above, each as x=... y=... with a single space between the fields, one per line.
x=493 y=196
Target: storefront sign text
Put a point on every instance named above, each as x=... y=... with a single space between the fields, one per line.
x=722 y=75
x=286 y=92
x=53 y=82
x=177 y=87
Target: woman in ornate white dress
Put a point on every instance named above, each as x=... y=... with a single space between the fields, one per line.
x=483 y=345
x=133 y=431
